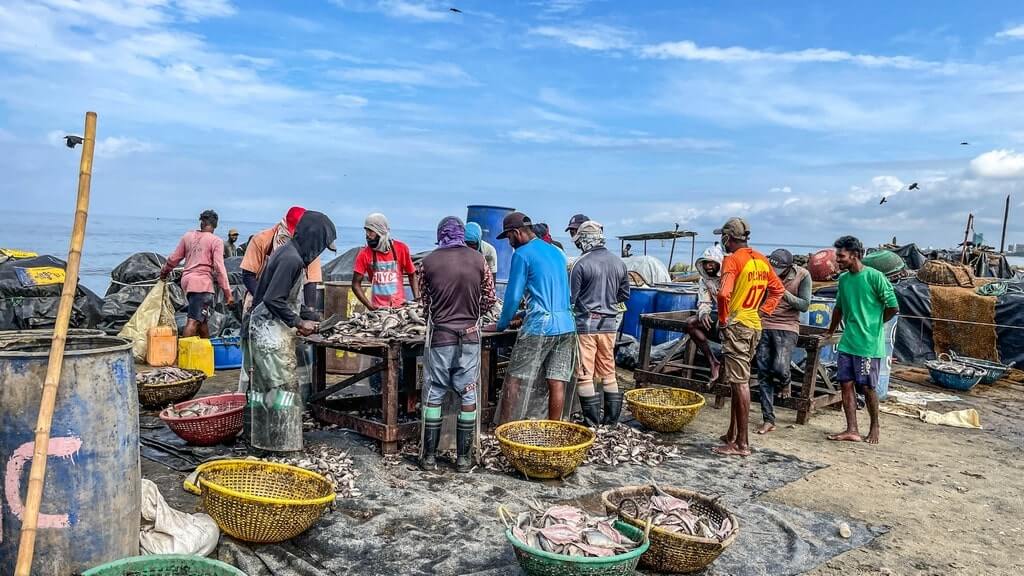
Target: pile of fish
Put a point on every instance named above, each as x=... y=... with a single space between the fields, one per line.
x=570 y=531
x=333 y=464
x=163 y=376
x=954 y=367
x=623 y=444
x=676 y=515
x=491 y=456
x=491 y=316
x=384 y=324
x=199 y=409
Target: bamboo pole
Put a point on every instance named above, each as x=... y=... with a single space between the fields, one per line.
x=29 y=521
x=1006 y=217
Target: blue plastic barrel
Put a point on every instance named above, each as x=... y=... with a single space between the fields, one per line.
x=673 y=300
x=227 y=353
x=91 y=499
x=819 y=315
x=641 y=301
x=490 y=220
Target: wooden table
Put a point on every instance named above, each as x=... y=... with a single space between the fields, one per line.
x=816 y=390
x=399 y=397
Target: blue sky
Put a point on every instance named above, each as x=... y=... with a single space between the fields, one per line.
x=799 y=116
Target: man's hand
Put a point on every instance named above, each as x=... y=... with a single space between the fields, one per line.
x=516 y=323
x=231 y=300
x=705 y=321
x=306 y=327
x=828 y=334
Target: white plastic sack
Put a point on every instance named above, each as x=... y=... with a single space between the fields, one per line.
x=156 y=310
x=169 y=531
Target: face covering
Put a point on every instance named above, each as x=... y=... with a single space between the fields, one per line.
x=373 y=242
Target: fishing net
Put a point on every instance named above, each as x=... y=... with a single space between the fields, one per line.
x=975 y=333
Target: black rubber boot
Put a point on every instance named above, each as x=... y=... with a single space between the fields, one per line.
x=612 y=408
x=591 y=406
x=431 y=437
x=465 y=430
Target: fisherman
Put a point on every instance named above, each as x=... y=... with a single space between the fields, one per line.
x=547 y=337
x=385 y=260
x=456 y=287
x=261 y=245
x=599 y=286
x=277 y=317
x=232 y=249
x=543 y=231
x=747 y=280
x=627 y=251
x=704 y=325
x=864 y=303
x=475 y=240
x=575 y=222
x=780 y=332
x=203 y=253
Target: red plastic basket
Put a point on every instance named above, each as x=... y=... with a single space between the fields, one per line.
x=212 y=429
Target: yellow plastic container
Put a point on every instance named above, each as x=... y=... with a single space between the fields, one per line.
x=195 y=353
x=162 y=346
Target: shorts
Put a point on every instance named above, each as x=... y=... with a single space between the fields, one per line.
x=863 y=372
x=445 y=372
x=200 y=306
x=739 y=344
x=555 y=355
x=597 y=357
x=714 y=334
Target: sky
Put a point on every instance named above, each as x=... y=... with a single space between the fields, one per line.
x=799 y=116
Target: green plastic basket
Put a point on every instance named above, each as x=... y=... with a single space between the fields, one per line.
x=165 y=565
x=536 y=562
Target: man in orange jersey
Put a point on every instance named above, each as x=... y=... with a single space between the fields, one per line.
x=749 y=284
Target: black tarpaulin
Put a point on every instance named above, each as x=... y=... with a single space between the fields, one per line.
x=27 y=303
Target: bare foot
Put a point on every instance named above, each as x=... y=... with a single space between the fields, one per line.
x=731 y=450
x=726 y=439
x=847 y=436
x=715 y=367
x=786 y=391
x=766 y=428
x=872 y=436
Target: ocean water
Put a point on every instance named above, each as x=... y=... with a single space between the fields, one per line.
x=111 y=239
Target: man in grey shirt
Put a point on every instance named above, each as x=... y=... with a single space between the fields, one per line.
x=599 y=285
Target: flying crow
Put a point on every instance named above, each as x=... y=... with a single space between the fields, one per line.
x=73 y=141
x=883 y=201
x=456 y=10
x=914 y=186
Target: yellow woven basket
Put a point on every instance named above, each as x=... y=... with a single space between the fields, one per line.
x=664 y=409
x=544 y=448
x=259 y=501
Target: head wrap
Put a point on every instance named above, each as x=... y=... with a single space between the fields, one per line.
x=543 y=232
x=451 y=232
x=589 y=235
x=286 y=228
x=475 y=234
x=378 y=223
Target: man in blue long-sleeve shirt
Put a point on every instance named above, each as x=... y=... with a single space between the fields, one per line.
x=547 y=338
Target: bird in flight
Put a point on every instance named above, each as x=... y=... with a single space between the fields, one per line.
x=914 y=186
x=965 y=143
x=883 y=201
x=73 y=141
x=456 y=10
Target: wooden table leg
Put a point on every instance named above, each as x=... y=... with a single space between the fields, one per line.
x=319 y=382
x=389 y=398
x=646 y=340
x=810 y=383
x=483 y=387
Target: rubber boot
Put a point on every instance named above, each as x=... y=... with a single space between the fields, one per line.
x=612 y=408
x=591 y=406
x=465 y=431
x=431 y=438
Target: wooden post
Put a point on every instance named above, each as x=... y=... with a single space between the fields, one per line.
x=1006 y=216
x=967 y=233
x=672 y=252
x=30 y=519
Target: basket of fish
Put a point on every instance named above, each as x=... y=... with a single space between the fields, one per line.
x=954 y=375
x=544 y=449
x=206 y=421
x=664 y=409
x=993 y=370
x=566 y=541
x=688 y=531
x=163 y=386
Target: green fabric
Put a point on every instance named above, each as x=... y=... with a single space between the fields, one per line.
x=432 y=413
x=863 y=298
x=467 y=416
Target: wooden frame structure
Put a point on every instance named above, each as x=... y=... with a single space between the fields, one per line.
x=671 y=235
x=399 y=419
x=817 y=390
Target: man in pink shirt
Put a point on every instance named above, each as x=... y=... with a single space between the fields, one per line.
x=203 y=253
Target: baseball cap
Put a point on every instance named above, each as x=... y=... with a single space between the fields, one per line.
x=575 y=221
x=780 y=259
x=513 y=221
x=734 y=228
x=233 y=231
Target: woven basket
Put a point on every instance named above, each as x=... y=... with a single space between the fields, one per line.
x=160 y=395
x=261 y=502
x=674 y=552
x=212 y=429
x=942 y=273
x=165 y=565
x=664 y=409
x=544 y=448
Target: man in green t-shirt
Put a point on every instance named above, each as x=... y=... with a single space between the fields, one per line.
x=866 y=301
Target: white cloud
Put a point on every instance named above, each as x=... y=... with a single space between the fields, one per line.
x=548 y=136
x=560 y=7
x=198 y=9
x=351 y=100
x=413 y=75
x=598 y=37
x=782 y=189
x=414 y=11
x=688 y=50
x=108 y=147
x=1014 y=33
x=998 y=164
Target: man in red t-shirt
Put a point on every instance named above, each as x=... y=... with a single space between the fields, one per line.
x=385 y=261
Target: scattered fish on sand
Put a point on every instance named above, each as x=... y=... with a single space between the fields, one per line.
x=165 y=375
x=333 y=464
x=623 y=444
x=570 y=531
x=407 y=321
